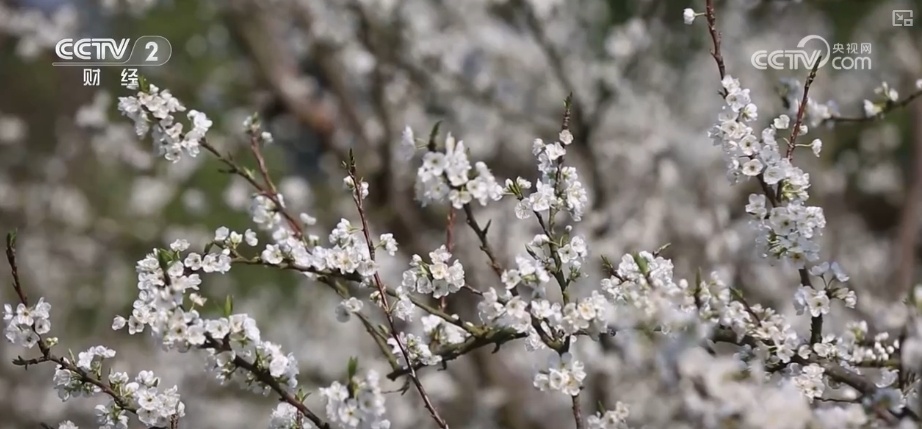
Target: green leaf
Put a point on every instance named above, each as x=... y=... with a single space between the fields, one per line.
x=11 y=239
x=351 y=162
x=353 y=367
x=433 y=135
x=228 y=306
x=143 y=83
x=606 y=264
x=736 y=293
x=641 y=264
x=661 y=249
x=532 y=253
x=163 y=258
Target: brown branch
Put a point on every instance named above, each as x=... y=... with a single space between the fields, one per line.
x=481 y=233
x=45 y=349
x=261 y=163
x=263 y=376
x=889 y=107
x=14 y=268
x=496 y=338
x=267 y=190
x=908 y=229
x=800 y=112
x=331 y=69
x=357 y=198
x=374 y=39
x=280 y=69
x=449 y=245
x=715 y=39
x=449 y=229
x=324 y=276
x=834 y=371
x=578 y=413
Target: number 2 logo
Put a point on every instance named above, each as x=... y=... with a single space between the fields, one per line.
x=152 y=47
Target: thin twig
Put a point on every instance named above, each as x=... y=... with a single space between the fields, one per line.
x=890 y=106
x=578 y=412
x=14 y=268
x=481 y=233
x=325 y=276
x=449 y=245
x=47 y=356
x=800 y=111
x=711 y=18
x=266 y=378
x=833 y=370
x=357 y=198
x=261 y=163
x=268 y=190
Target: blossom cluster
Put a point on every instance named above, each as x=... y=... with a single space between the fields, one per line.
x=435 y=278
x=157 y=107
x=25 y=326
x=558 y=186
x=142 y=395
x=534 y=267
x=440 y=332
x=164 y=279
x=885 y=96
x=356 y=405
x=417 y=350
x=611 y=419
x=644 y=284
x=788 y=228
x=563 y=373
x=447 y=175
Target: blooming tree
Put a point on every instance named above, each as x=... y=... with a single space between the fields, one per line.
x=687 y=352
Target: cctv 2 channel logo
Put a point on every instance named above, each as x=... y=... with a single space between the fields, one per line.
x=147 y=51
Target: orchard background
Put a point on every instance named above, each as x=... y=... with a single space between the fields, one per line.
x=89 y=198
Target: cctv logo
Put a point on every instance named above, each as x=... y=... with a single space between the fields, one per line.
x=792 y=59
x=147 y=51
x=91 y=50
